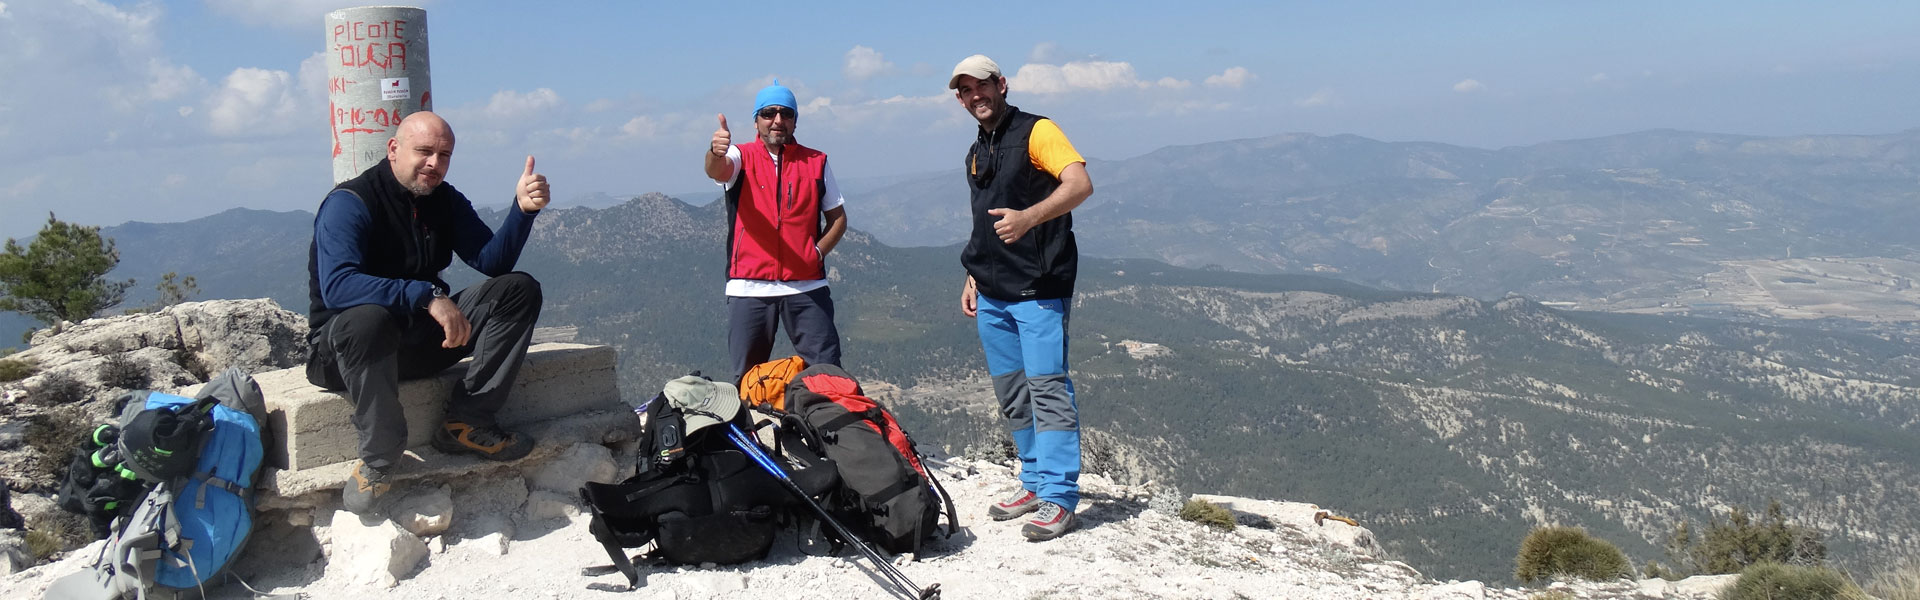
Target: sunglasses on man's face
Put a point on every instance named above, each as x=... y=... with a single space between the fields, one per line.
x=770 y=112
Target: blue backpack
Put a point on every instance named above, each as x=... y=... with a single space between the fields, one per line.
x=201 y=456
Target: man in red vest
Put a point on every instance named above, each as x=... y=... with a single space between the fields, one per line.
x=778 y=195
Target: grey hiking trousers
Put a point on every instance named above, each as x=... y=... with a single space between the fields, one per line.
x=366 y=350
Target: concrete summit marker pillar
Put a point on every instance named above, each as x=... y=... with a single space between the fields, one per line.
x=377 y=74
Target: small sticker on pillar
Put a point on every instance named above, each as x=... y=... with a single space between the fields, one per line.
x=394 y=89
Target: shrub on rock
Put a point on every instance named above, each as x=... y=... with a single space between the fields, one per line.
x=1775 y=581
x=1556 y=551
x=1208 y=513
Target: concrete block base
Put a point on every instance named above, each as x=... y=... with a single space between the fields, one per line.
x=313 y=427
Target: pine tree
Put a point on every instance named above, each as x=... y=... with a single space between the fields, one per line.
x=61 y=275
x=175 y=289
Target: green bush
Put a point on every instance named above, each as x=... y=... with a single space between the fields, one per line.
x=1902 y=582
x=120 y=371
x=57 y=389
x=53 y=436
x=1775 y=581
x=41 y=545
x=55 y=531
x=1553 y=551
x=1732 y=545
x=1207 y=513
x=14 y=369
x=191 y=363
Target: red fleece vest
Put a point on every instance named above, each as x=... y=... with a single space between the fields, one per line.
x=775 y=211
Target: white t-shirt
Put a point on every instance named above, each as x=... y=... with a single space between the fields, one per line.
x=763 y=288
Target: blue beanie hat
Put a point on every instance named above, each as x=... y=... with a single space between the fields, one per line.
x=775 y=95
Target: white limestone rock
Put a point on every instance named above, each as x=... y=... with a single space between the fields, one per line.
x=1465 y=590
x=576 y=465
x=543 y=505
x=378 y=553
x=425 y=511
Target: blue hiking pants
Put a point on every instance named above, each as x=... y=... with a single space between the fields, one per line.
x=1026 y=346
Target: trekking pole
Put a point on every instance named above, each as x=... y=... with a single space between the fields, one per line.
x=886 y=567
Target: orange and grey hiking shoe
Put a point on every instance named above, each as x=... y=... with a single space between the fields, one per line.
x=485 y=441
x=1050 y=521
x=1020 y=503
x=364 y=488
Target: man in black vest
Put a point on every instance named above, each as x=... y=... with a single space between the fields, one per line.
x=380 y=311
x=1021 y=262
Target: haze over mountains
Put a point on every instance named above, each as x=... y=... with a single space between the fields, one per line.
x=1666 y=221
x=1448 y=424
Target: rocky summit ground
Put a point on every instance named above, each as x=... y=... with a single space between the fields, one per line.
x=1129 y=545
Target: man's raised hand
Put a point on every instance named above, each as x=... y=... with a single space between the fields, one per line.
x=722 y=139
x=532 y=192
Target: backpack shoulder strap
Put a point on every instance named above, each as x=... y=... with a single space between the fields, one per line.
x=953 y=516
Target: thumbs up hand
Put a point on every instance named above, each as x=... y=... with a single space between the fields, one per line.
x=722 y=139
x=532 y=193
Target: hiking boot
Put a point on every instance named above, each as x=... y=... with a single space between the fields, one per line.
x=1050 y=521
x=489 y=442
x=364 y=489
x=1019 y=504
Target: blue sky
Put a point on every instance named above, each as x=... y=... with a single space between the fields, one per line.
x=116 y=111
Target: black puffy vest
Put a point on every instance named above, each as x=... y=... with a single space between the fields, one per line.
x=409 y=238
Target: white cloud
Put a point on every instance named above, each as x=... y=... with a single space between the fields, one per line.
x=1599 y=78
x=254 y=101
x=1320 y=97
x=313 y=76
x=1089 y=75
x=1049 y=53
x=640 y=127
x=166 y=81
x=288 y=14
x=817 y=105
x=3 y=11
x=509 y=105
x=1467 y=86
x=27 y=186
x=865 y=63
x=1233 y=78
x=86 y=71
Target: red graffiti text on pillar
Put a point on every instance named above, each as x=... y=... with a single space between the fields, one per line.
x=391 y=55
x=360 y=31
x=371 y=43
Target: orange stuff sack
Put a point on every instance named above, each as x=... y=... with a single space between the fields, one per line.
x=765 y=385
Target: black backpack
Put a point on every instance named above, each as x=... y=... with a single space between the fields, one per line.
x=889 y=498
x=699 y=498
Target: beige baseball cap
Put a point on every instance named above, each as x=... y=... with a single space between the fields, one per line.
x=977 y=66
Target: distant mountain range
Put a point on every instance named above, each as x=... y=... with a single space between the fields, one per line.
x=1658 y=221
x=1448 y=424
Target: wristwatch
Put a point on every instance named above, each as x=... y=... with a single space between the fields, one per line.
x=439 y=292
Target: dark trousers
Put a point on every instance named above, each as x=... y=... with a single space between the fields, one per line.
x=808 y=318
x=366 y=350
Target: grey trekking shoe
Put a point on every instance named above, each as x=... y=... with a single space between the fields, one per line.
x=1020 y=503
x=364 y=488
x=1050 y=521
